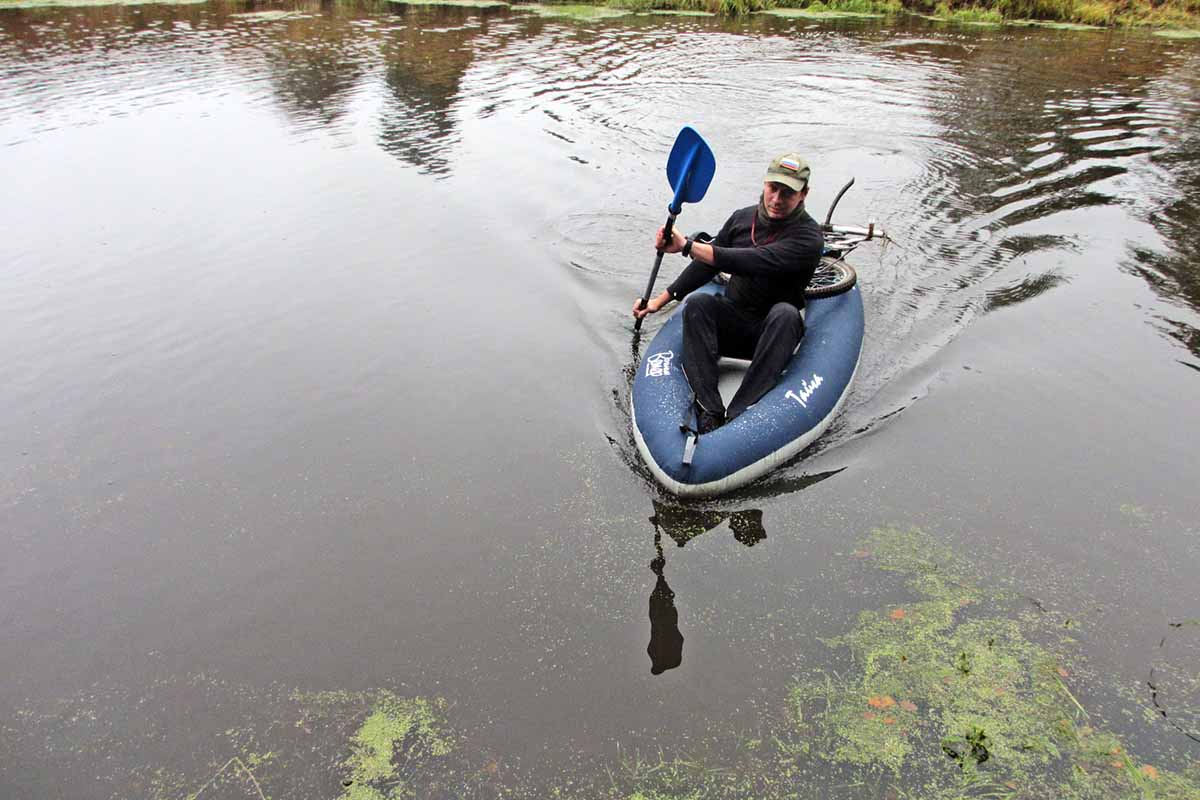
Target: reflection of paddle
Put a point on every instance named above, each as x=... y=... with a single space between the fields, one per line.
x=690 y=168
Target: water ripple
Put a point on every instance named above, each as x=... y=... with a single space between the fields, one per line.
x=987 y=156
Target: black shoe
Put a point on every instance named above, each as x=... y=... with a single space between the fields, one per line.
x=707 y=422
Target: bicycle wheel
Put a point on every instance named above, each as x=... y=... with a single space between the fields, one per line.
x=832 y=277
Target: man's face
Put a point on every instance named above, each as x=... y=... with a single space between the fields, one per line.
x=781 y=200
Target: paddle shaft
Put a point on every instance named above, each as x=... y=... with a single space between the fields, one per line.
x=668 y=229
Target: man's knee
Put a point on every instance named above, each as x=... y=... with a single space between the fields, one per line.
x=698 y=306
x=785 y=317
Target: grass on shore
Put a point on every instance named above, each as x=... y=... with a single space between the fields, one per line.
x=1184 y=14
x=86 y=3
x=1181 y=15
x=1176 y=18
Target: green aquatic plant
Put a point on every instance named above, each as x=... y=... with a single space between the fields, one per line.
x=395 y=738
x=1058 y=26
x=571 y=10
x=938 y=690
x=958 y=701
x=272 y=15
x=1133 y=513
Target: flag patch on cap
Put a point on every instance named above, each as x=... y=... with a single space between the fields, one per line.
x=788 y=163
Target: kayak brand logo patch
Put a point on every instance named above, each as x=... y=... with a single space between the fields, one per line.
x=806 y=390
x=659 y=364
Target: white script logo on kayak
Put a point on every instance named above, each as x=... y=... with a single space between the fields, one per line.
x=659 y=364
x=806 y=390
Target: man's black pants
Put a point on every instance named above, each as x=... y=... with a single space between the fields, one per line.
x=713 y=326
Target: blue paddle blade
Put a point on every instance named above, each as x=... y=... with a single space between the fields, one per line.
x=690 y=168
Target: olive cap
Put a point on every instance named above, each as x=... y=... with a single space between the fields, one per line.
x=789 y=169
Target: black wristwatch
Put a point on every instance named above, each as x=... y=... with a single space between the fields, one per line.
x=686 y=252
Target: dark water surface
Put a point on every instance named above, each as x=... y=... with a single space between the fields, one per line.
x=316 y=348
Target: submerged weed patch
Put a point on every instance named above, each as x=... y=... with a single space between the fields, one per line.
x=397 y=739
x=957 y=701
x=270 y=16
x=933 y=693
x=941 y=696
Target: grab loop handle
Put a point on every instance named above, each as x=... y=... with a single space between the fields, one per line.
x=689 y=449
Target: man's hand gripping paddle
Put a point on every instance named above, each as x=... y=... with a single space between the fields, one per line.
x=690 y=169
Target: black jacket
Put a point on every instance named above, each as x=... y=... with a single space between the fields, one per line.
x=776 y=269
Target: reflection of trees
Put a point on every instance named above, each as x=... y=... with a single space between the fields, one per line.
x=1176 y=216
x=312 y=60
x=47 y=53
x=315 y=67
x=424 y=68
x=1037 y=126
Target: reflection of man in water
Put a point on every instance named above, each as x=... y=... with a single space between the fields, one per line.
x=683 y=525
x=666 y=642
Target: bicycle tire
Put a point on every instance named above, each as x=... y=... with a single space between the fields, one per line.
x=833 y=276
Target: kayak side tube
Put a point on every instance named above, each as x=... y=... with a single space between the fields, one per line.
x=809 y=394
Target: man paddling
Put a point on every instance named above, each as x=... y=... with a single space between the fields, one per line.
x=771 y=251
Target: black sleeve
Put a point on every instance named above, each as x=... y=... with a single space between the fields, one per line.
x=800 y=251
x=696 y=274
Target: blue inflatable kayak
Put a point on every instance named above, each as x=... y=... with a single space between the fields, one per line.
x=786 y=420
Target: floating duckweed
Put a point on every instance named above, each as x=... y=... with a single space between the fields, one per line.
x=957 y=703
x=978 y=689
x=397 y=734
x=571 y=10
x=1060 y=26
x=270 y=15
x=943 y=697
x=1133 y=512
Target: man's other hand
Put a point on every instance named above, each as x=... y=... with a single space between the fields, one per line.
x=653 y=307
